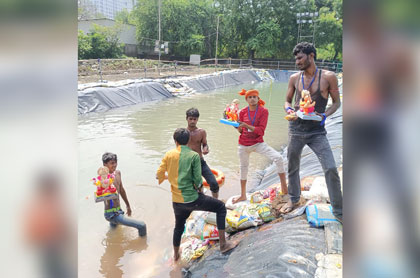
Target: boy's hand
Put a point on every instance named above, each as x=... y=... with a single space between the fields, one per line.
x=128 y=211
x=206 y=149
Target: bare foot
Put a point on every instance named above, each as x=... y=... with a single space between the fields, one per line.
x=229 y=245
x=288 y=207
x=238 y=199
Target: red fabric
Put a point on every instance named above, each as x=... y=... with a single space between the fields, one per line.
x=251 y=138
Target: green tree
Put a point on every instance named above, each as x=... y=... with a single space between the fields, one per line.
x=248 y=29
x=186 y=24
x=100 y=42
x=266 y=41
x=329 y=29
x=330 y=34
x=125 y=17
x=84 y=46
x=247 y=26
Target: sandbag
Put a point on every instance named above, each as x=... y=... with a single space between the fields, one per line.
x=210 y=232
x=319 y=214
x=194 y=228
x=242 y=218
x=264 y=212
x=230 y=205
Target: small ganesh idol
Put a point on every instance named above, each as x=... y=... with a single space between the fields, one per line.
x=231 y=111
x=306 y=104
x=104 y=183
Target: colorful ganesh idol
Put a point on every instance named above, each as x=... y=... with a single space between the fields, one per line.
x=306 y=104
x=307 y=107
x=104 y=183
x=231 y=111
x=230 y=115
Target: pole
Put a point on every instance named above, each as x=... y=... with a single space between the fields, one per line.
x=298 y=36
x=100 y=69
x=313 y=34
x=145 y=70
x=159 y=36
x=217 y=39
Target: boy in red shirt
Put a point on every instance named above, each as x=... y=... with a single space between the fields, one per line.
x=253 y=121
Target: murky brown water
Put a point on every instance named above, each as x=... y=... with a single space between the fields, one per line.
x=140 y=135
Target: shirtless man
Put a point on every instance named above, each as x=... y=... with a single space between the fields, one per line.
x=198 y=143
x=321 y=84
x=113 y=213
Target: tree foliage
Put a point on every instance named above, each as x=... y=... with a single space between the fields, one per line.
x=125 y=17
x=247 y=29
x=329 y=35
x=100 y=42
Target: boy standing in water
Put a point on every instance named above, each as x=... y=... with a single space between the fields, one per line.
x=198 y=143
x=184 y=174
x=253 y=121
x=113 y=213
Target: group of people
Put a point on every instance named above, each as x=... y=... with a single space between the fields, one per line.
x=185 y=166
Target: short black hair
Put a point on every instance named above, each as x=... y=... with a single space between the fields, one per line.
x=304 y=47
x=193 y=112
x=107 y=157
x=182 y=136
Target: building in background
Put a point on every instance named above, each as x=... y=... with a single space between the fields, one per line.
x=104 y=8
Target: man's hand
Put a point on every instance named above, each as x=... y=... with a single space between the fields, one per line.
x=165 y=178
x=324 y=117
x=243 y=125
x=128 y=211
x=206 y=149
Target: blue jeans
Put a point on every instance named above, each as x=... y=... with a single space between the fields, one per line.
x=318 y=142
x=209 y=176
x=118 y=217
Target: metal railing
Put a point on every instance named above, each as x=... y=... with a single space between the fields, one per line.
x=118 y=69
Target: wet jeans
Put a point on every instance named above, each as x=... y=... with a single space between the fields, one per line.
x=209 y=176
x=118 y=217
x=205 y=203
x=321 y=147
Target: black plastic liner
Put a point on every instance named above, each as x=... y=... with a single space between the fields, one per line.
x=223 y=79
x=100 y=99
x=284 y=249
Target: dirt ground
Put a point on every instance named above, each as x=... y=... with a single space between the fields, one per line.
x=150 y=73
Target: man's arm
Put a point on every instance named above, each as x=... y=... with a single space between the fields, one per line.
x=196 y=167
x=333 y=91
x=290 y=93
x=262 y=124
x=122 y=192
x=204 y=142
x=160 y=174
x=240 y=120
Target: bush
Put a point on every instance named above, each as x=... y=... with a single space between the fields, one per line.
x=100 y=42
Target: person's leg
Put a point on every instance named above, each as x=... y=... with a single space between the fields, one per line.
x=181 y=212
x=109 y=217
x=207 y=203
x=128 y=221
x=321 y=147
x=275 y=156
x=210 y=178
x=244 y=152
x=294 y=152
